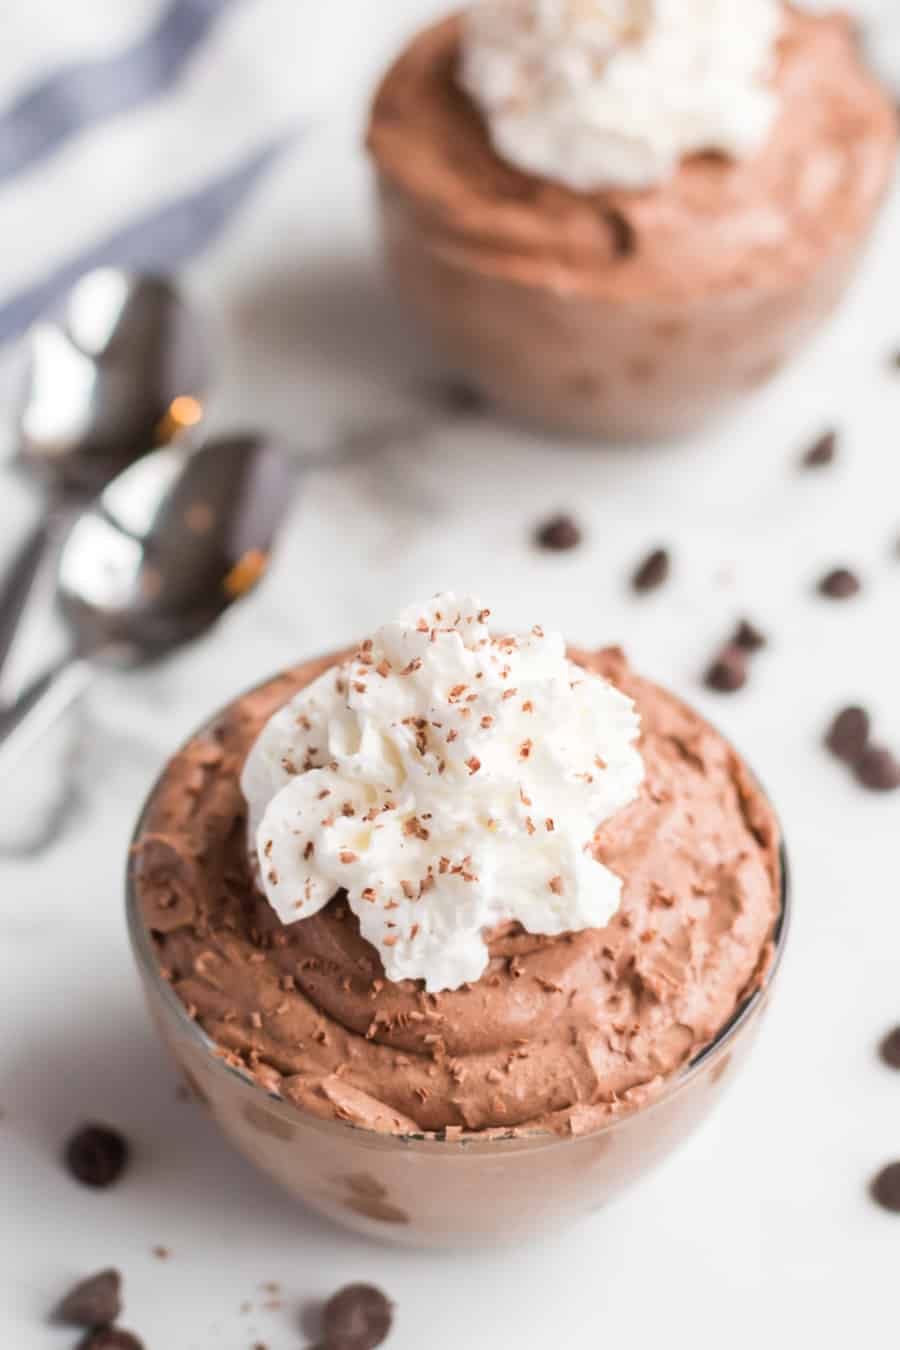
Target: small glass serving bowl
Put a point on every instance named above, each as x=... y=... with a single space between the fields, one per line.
x=451 y=1192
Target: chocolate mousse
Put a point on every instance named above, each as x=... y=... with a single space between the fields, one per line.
x=562 y=1031
x=630 y=310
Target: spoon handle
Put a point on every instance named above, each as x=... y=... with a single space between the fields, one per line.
x=18 y=582
x=21 y=584
x=39 y=707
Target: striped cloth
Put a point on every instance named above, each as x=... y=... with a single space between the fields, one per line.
x=132 y=131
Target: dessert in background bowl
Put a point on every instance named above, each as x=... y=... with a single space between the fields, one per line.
x=618 y=218
x=459 y=934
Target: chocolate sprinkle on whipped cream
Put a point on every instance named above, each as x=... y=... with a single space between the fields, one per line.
x=447 y=780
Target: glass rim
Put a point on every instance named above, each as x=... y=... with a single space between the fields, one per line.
x=148 y=965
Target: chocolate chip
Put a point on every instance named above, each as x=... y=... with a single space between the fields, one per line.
x=728 y=671
x=821 y=452
x=652 y=572
x=878 y=769
x=624 y=238
x=889 y=1049
x=559 y=533
x=357 y=1317
x=94 y=1302
x=110 y=1338
x=96 y=1156
x=885 y=1188
x=840 y=584
x=457 y=396
x=848 y=735
x=748 y=637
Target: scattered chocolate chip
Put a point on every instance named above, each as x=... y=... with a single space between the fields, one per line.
x=623 y=233
x=110 y=1338
x=456 y=396
x=96 y=1156
x=848 y=735
x=652 y=572
x=559 y=533
x=728 y=671
x=840 y=584
x=885 y=1188
x=821 y=452
x=878 y=769
x=357 y=1317
x=889 y=1049
x=94 y=1302
x=162 y=1253
x=748 y=637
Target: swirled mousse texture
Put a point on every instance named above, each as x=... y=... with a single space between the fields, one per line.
x=561 y=1033
x=447 y=780
x=613 y=93
x=761 y=222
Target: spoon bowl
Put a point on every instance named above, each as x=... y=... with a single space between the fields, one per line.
x=170 y=544
x=117 y=366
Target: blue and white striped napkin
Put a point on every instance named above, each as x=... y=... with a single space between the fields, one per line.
x=132 y=131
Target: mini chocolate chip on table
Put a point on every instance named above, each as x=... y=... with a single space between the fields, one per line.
x=357 y=1317
x=559 y=533
x=821 y=452
x=110 y=1338
x=885 y=1188
x=848 y=735
x=94 y=1302
x=623 y=233
x=889 y=1049
x=652 y=572
x=728 y=672
x=878 y=769
x=840 y=584
x=459 y=397
x=96 y=1155
x=748 y=637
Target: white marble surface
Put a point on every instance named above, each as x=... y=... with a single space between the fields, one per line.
x=761 y=1228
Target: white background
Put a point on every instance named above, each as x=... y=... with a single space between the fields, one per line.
x=761 y=1228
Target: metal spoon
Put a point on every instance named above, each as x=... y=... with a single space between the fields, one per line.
x=114 y=370
x=168 y=546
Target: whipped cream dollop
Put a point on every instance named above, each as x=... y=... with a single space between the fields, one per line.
x=449 y=781
x=612 y=93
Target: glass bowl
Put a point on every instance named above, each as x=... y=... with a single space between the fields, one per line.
x=436 y=1191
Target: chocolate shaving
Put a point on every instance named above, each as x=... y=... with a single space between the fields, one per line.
x=624 y=237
